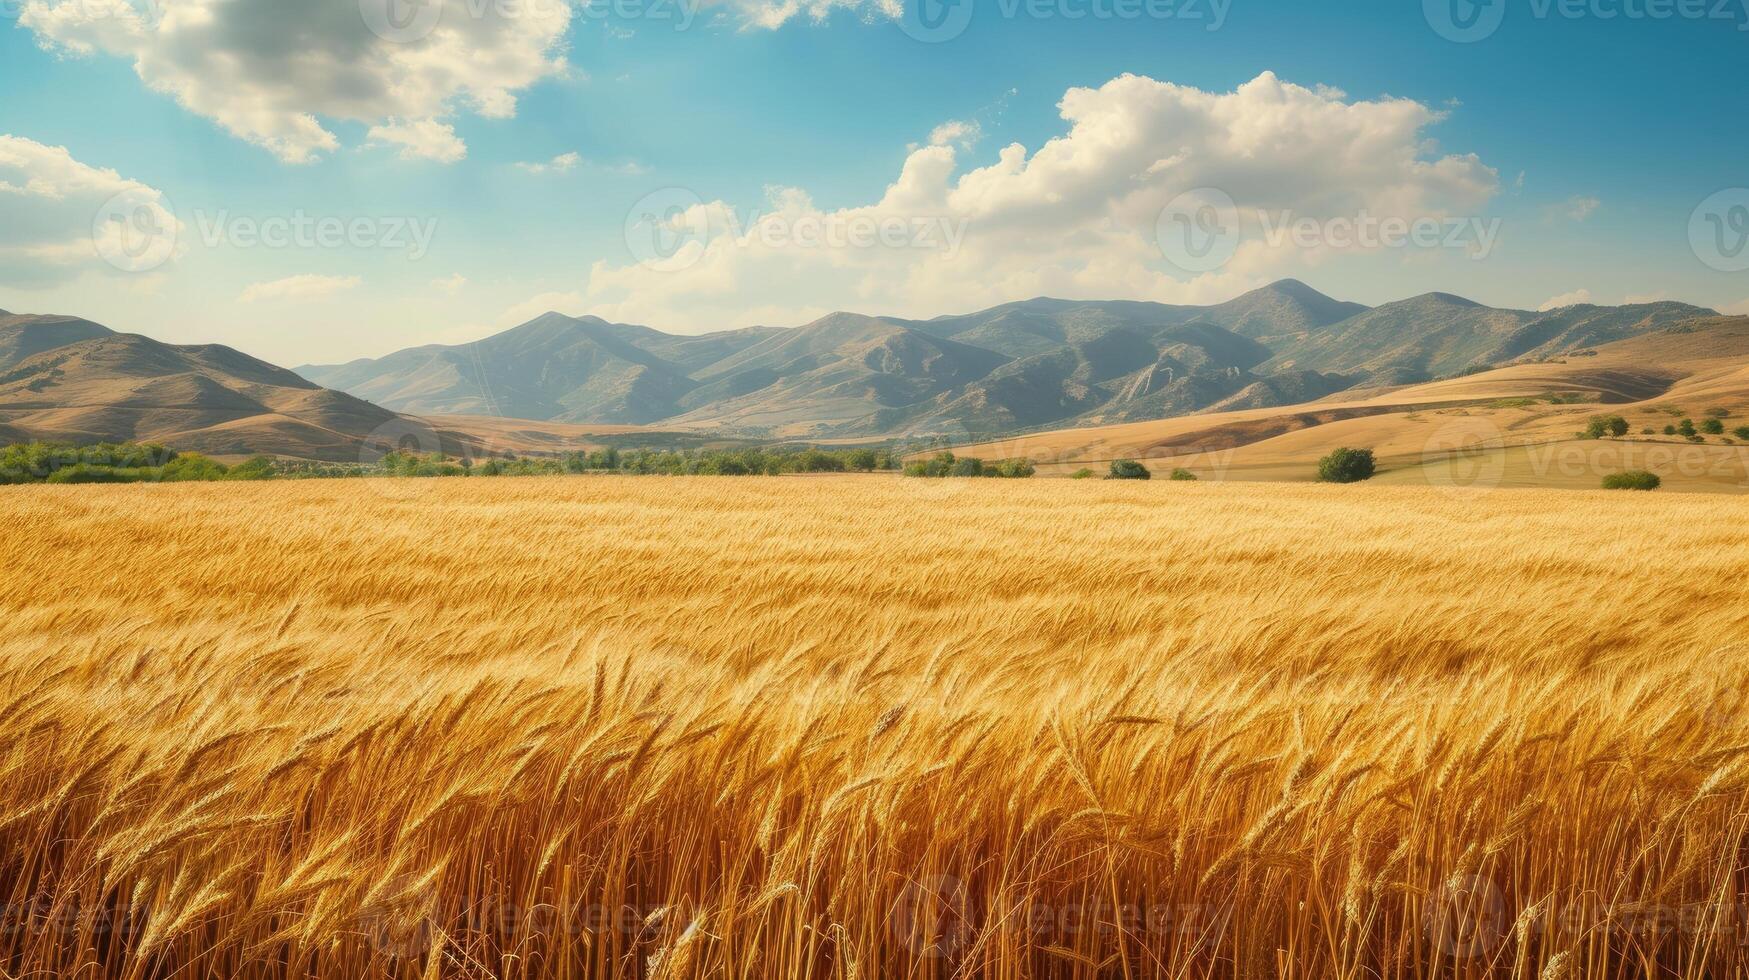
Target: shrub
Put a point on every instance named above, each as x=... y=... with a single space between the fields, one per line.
x=1647 y=431
x=253 y=468
x=1347 y=466
x=1011 y=469
x=1606 y=425
x=862 y=460
x=1685 y=427
x=1697 y=440
x=967 y=466
x=1713 y=427
x=1719 y=413
x=1632 y=480
x=1180 y=473
x=1081 y=474
x=1670 y=430
x=1128 y=469
x=1741 y=432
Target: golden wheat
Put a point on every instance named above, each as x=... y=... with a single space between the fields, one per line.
x=865 y=727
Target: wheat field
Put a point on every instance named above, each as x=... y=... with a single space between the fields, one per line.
x=869 y=727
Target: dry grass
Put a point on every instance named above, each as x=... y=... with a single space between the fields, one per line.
x=870 y=728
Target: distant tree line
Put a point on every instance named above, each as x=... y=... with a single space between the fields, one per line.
x=946 y=464
x=109 y=462
x=47 y=462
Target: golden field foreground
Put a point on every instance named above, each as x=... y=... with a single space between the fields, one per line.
x=871 y=727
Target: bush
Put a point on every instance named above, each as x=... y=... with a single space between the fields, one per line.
x=1719 y=413
x=1081 y=474
x=253 y=468
x=1685 y=427
x=862 y=460
x=1648 y=431
x=1346 y=466
x=1181 y=473
x=1741 y=432
x=1713 y=427
x=1128 y=469
x=1011 y=469
x=1670 y=430
x=1632 y=480
x=967 y=466
x=1606 y=425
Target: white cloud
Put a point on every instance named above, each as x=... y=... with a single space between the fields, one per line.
x=421 y=139
x=1076 y=217
x=60 y=217
x=956 y=132
x=563 y=163
x=1576 y=208
x=1565 y=299
x=294 y=289
x=450 y=285
x=273 y=72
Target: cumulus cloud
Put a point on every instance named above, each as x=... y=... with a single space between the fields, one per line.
x=60 y=217
x=275 y=73
x=295 y=289
x=1565 y=299
x=563 y=163
x=1076 y=217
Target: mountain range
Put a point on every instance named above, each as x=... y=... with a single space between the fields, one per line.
x=1041 y=362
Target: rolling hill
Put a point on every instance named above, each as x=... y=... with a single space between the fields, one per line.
x=62 y=378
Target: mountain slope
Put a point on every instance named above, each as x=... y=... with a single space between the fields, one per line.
x=98 y=385
x=553 y=367
x=24 y=336
x=1439 y=335
x=832 y=375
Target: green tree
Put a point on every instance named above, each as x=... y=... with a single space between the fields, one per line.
x=863 y=460
x=1129 y=469
x=1632 y=480
x=1713 y=427
x=1181 y=473
x=1347 y=466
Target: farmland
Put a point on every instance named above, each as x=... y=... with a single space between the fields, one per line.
x=860 y=726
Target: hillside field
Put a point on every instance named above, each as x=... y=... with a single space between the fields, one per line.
x=871 y=727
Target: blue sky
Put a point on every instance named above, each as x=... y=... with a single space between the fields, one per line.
x=524 y=140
